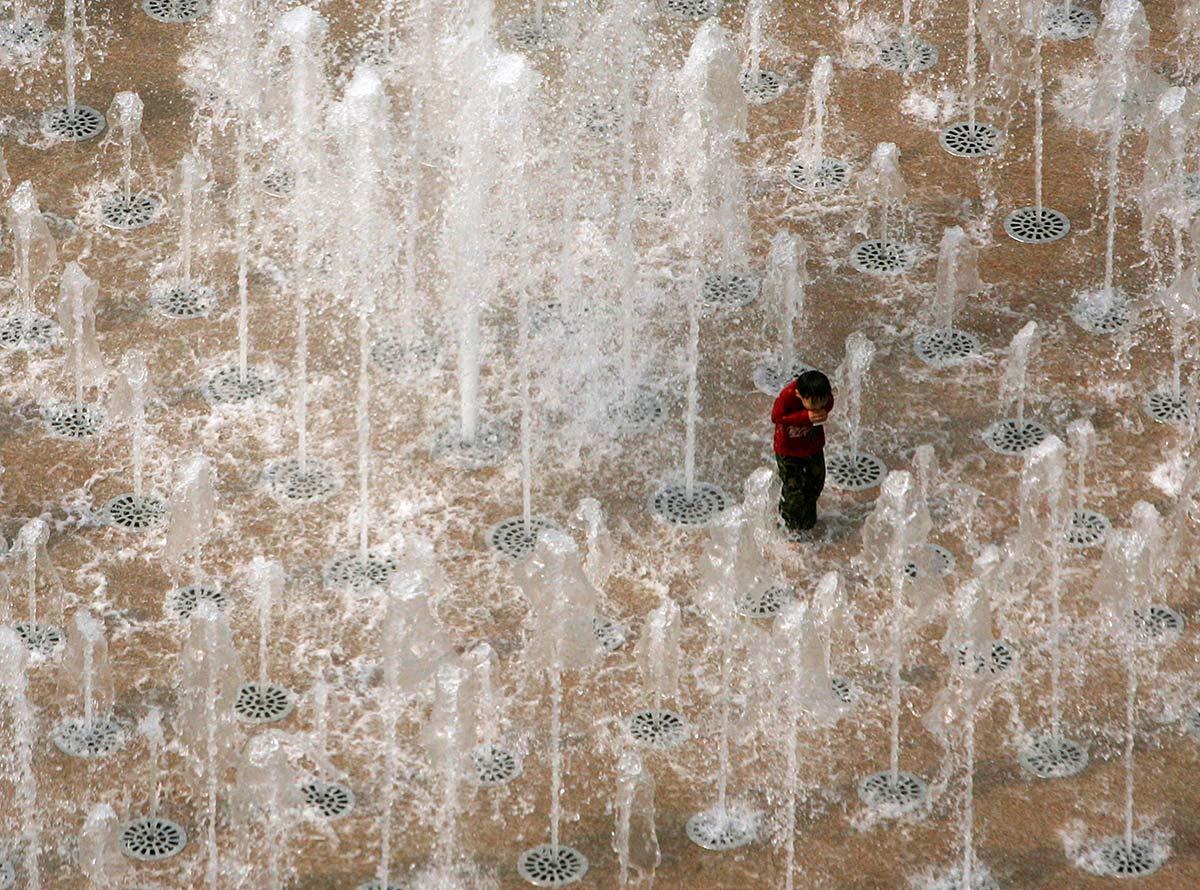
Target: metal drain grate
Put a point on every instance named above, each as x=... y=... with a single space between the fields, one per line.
x=1087 y=529
x=175 y=12
x=127 y=213
x=1158 y=623
x=33 y=332
x=692 y=10
x=765 y=602
x=1097 y=315
x=1050 y=757
x=720 y=831
x=1060 y=24
x=76 y=124
x=763 y=88
x=23 y=38
x=279 y=183
x=355 y=573
x=133 y=513
x=8 y=875
x=1010 y=436
x=658 y=728
x=491 y=445
x=396 y=354
x=80 y=421
x=771 y=376
x=1114 y=858
x=185 y=301
x=263 y=702
x=970 y=140
x=999 y=658
x=903 y=55
x=893 y=794
x=547 y=866
x=943 y=347
x=609 y=634
x=729 y=290
x=842 y=689
x=287 y=481
x=854 y=472
x=672 y=503
x=227 y=386
x=494 y=766
x=375 y=885
x=152 y=839
x=1163 y=406
x=600 y=118
x=78 y=738
x=642 y=413
x=943 y=562
x=883 y=257
x=515 y=538
x=1034 y=225
x=828 y=175
x=1191 y=186
x=328 y=800
x=42 y=639
x=182 y=601
x=526 y=32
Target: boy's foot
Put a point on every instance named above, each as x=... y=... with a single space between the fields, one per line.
x=801 y=535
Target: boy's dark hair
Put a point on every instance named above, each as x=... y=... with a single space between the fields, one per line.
x=813 y=385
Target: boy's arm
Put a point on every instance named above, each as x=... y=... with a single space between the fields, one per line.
x=780 y=414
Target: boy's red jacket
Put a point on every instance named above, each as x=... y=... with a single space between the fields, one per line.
x=795 y=436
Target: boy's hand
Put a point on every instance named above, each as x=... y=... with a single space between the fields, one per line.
x=818 y=415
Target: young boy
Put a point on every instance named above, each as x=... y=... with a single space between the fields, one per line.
x=798 y=415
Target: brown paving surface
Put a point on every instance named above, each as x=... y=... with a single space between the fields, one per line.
x=1018 y=818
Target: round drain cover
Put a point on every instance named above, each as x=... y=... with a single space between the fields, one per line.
x=970 y=140
x=854 y=472
x=883 y=257
x=133 y=513
x=263 y=702
x=78 y=738
x=547 y=866
x=287 y=481
x=706 y=503
x=1048 y=757
x=943 y=347
x=892 y=794
x=1034 y=225
x=152 y=839
x=494 y=765
x=136 y=211
x=1012 y=436
x=73 y=124
x=515 y=538
x=827 y=175
x=329 y=800
x=718 y=831
x=228 y=386
x=658 y=728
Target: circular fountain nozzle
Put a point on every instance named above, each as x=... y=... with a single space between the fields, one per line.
x=719 y=830
x=1115 y=858
x=658 y=728
x=76 y=737
x=74 y=421
x=883 y=257
x=263 y=702
x=943 y=347
x=73 y=124
x=1164 y=406
x=135 y=211
x=1087 y=529
x=971 y=140
x=152 y=839
x=1011 y=436
x=329 y=800
x=135 y=514
x=494 y=765
x=1053 y=757
x=1036 y=225
x=892 y=795
x=700 y=508
x=228 y=386
x=32 y=332
x=547 y=866
x=854 y=472
x=175 y=12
